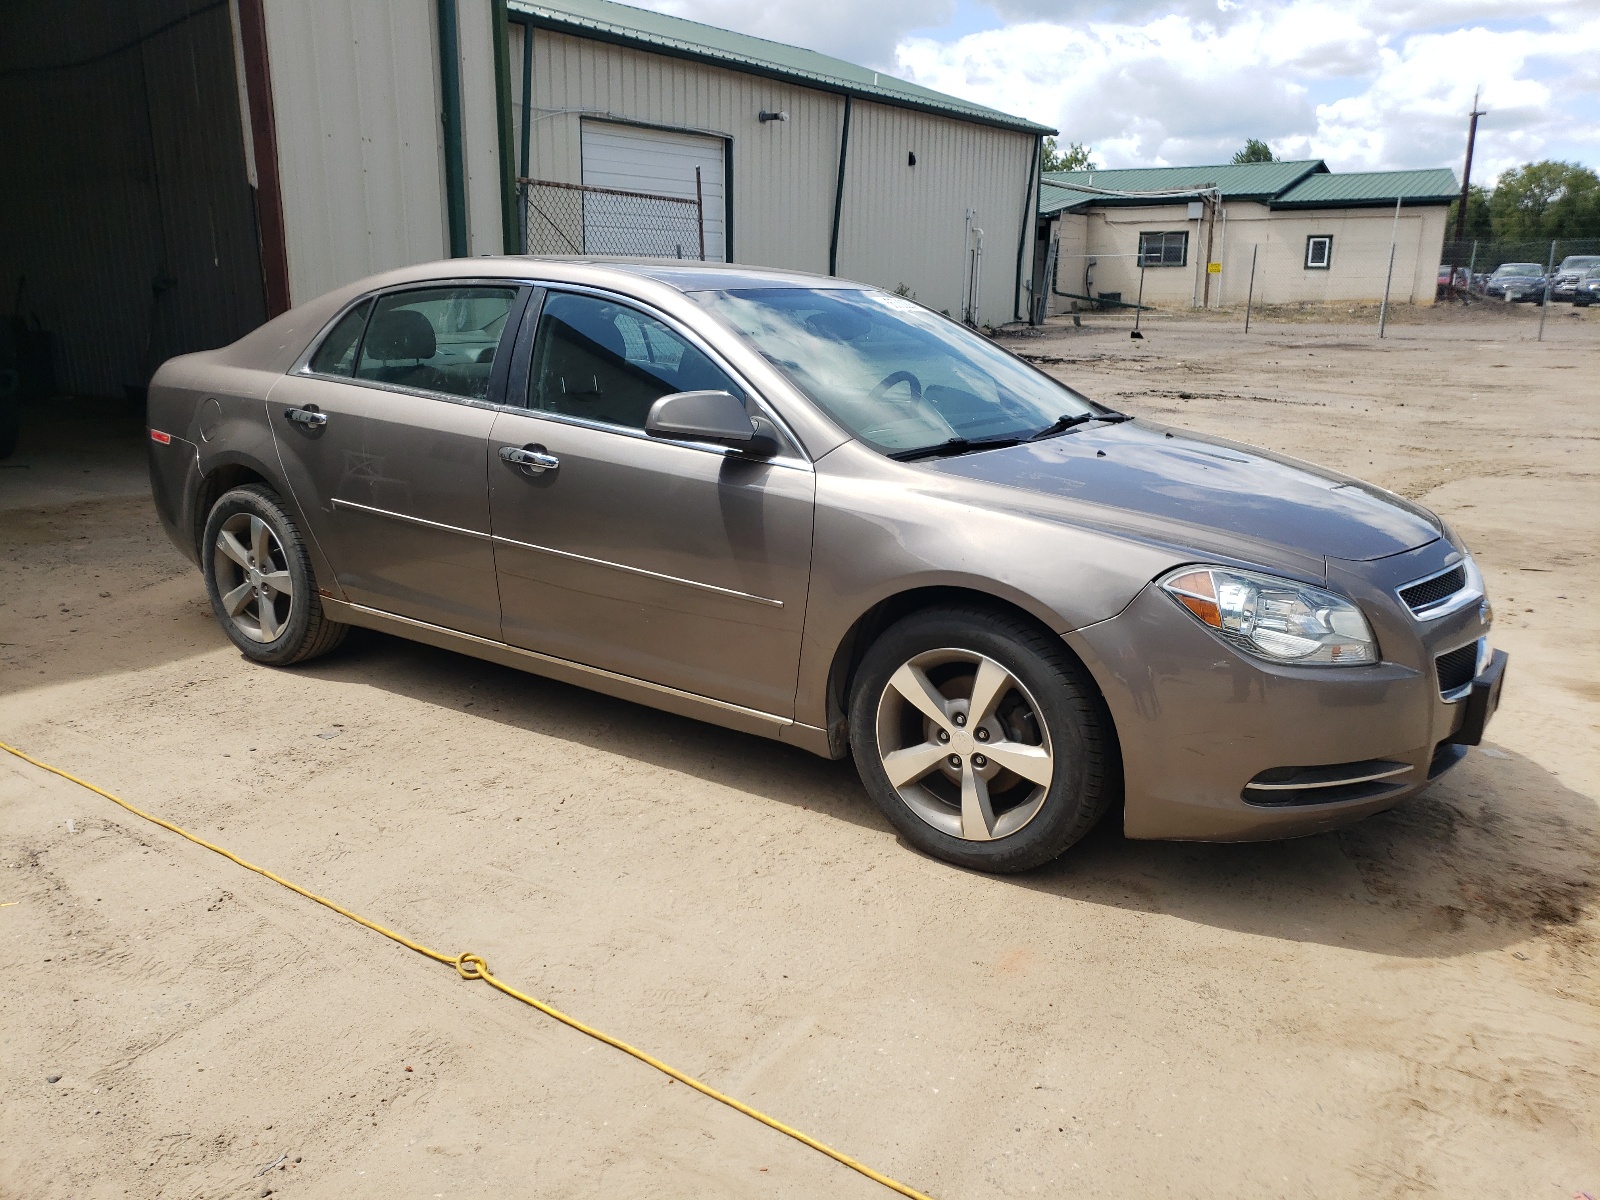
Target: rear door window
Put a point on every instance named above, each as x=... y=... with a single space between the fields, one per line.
x=441 y=339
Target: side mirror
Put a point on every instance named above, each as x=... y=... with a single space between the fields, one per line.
x=709 y=417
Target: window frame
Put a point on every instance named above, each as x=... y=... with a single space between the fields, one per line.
x=1327 y=251
x=1146 y=264
x=523 y=291
x=520 y=380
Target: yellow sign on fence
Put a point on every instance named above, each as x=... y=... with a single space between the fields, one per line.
x=1214 y=268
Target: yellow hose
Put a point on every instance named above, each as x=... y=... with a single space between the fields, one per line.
x=471 y=966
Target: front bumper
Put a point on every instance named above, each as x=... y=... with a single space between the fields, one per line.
x=1200 y=722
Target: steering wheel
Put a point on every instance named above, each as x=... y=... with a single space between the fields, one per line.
x=890 y=381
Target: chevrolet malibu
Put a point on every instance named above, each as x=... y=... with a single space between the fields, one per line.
x=814 y=511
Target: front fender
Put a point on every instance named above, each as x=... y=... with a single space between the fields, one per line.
x=876 y=538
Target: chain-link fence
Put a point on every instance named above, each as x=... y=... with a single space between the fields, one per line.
x=569 y=218
x=1482 y=257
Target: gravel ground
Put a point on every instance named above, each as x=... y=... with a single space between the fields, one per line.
x=1405 y=1008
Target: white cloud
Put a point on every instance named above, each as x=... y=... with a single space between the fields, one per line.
x=1344 y=82
x=864 y=33
x=1364 y=84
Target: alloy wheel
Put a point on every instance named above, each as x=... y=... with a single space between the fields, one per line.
x=253 y=577
x=961 y=740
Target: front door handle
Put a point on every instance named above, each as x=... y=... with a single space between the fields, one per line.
x=533 y=460
x=309 y=417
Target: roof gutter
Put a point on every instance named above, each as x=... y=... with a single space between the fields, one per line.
x=455 y=167
x=1030 y=200
x=838 y=190
x=499 y=18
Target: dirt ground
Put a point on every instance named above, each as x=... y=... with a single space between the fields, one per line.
x=1406 y=1008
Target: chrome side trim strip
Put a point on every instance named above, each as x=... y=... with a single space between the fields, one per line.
x=337 y=607
x=1326 y=783
x=384 y=512
x=601 y=562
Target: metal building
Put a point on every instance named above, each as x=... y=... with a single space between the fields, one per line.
x=179 y=170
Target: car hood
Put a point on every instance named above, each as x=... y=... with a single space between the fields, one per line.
x=1205 y=492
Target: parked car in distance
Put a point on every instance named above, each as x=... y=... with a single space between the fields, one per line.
x=1516 y=281
x=815 y=511
x=1587 y=289
x=1564 y=283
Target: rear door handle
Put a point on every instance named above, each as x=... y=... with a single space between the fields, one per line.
x=309 y=417
x=533 y=460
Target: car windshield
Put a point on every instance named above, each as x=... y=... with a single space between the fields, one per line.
x=1519 y=269
x=895 y=374
x=1579 y=262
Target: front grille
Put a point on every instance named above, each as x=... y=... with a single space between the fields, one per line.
x=1428 y=592
x=1457 y=668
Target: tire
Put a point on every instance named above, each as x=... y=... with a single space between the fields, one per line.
x=1044 y=707
x=276 y=615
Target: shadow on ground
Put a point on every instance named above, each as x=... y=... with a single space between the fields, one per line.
x=1497 y=852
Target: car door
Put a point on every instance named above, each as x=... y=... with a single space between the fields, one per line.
x=679 y=563
x=406 y=505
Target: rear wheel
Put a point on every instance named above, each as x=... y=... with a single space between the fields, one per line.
x=259 y=577
x=981 y=739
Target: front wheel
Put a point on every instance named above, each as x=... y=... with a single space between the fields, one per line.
x=981 y=738
x=258 y=575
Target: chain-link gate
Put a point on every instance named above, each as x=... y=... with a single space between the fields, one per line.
x=569 y=218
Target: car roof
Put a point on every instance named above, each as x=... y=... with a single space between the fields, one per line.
x=680 y=274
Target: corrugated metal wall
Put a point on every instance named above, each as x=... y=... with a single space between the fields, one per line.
x=781 y=174
x=900 y=224
x=125 y=203
x=355 y=88
x=905 y=224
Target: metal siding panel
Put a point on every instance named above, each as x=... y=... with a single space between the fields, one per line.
x=905 y=224
x=781 y=174
x=480 y=127
x=355 y=91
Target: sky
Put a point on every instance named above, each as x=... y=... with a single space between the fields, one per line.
x=1364 y=84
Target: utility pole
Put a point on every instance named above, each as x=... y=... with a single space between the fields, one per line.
x=1466 y=171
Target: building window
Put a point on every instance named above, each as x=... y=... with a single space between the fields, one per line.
x=1163 y=249
x=1319 y=252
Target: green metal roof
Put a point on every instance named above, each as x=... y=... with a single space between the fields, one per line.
x=1363 y=188
x=1237 y=181
x=1054 y=198
x=624 y=25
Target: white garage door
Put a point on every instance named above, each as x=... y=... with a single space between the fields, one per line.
x=663 y=163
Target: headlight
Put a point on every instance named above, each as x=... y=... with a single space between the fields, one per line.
x=1276 y=619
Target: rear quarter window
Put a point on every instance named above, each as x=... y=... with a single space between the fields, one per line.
x=337 y=354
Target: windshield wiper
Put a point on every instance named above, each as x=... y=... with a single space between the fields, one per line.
x=1062 y=424
x=955 y=445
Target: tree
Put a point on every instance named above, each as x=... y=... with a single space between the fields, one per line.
x=1479 y=225
x=1544 y=200
x=1078 y=157
x=1255 y=150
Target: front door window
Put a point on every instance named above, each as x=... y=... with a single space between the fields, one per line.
x=608 y=362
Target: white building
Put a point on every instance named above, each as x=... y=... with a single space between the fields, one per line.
x=1314 y=236
x=178 y=172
